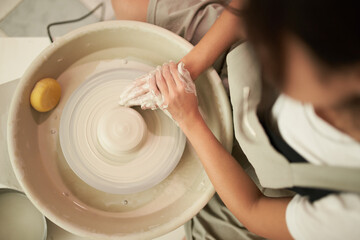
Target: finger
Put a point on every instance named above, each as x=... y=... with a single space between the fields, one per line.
x=145 y=106
x=136 y=84
x=175 y=74
x=140 y=81
x=168 y=78
x=152 y=85
x=134 y=93
x=148 y=105
x=148 y=102
x=127 y=90
x=139 y=101
x=161 y=83
x=133 y=102
x=138 y=87
x=161 y=102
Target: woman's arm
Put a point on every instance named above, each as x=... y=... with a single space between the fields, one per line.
x=226 y=30
x=260 y=214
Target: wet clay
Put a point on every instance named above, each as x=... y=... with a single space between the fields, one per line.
x=112 y=148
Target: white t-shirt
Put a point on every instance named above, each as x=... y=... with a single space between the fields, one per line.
x=336 y=216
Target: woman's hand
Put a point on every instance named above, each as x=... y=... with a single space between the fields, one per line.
x=143 y=92
x=169 y=87
x=179 y=95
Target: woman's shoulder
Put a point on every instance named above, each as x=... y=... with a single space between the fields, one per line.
x=336 y=216
x=312 y=137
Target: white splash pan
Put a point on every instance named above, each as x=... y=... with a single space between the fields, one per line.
x=57 y=192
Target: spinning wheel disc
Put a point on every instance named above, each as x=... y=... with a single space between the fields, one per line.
x=113 y=148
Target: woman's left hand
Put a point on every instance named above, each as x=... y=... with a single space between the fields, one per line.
x=181 y=103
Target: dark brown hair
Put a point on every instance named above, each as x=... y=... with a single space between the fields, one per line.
x=329 y=28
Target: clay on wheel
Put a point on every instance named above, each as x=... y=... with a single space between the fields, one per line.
x=113 y=148
x=121 y=130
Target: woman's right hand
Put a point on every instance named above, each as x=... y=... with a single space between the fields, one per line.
x=179 y=93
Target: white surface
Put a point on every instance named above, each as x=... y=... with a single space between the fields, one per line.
x=15 y=56
x=336 y=216
x=7 y=176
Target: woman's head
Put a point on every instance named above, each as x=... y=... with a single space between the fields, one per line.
x=309 y=49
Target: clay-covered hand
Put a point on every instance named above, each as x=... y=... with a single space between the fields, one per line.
x=142 y=92
x=179 y=92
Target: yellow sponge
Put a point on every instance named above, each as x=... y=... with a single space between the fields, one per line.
x=45 y=95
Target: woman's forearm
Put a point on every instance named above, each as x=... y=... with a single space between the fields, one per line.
x=262 y=215
x=226 y=30
x=233 y=185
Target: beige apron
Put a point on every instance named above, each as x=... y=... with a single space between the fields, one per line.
x=272 y=169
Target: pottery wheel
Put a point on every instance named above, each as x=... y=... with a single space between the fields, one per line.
x=117 y=149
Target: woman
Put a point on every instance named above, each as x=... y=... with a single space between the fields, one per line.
x=310 y=51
